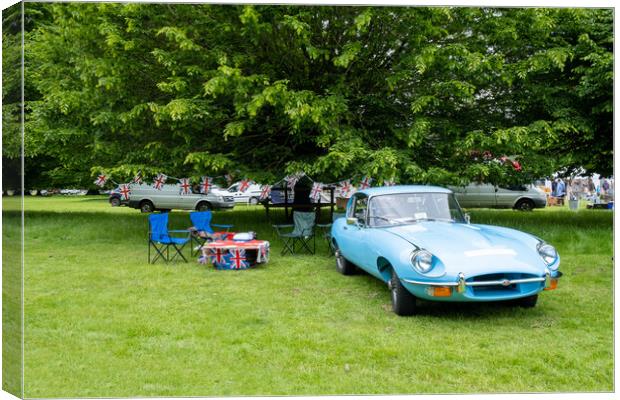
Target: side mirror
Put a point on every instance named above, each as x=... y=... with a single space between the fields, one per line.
x=351 y=221
x=467 y=218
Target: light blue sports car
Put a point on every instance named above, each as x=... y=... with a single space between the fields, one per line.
x=418 y=240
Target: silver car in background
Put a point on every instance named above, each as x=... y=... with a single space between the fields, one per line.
x=520 y=197
x=148 y=199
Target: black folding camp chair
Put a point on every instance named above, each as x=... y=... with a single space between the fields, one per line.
x=302 y=235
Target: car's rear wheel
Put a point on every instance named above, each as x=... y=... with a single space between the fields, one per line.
x=115 y=202
x=524 y=205
x=344 y=266
x=403 y=302
x=527 y=302
x=203 y=206
x=147 y=207
x=253 y=201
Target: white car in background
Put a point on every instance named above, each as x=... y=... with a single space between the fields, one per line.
x=250 y=196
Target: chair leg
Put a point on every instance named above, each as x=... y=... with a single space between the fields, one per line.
x=179 y=252
x=289 y=246
x=159 y=253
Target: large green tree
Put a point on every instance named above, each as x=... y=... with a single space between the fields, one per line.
x=421 y=94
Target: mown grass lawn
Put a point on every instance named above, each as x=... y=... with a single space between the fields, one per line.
x=101 y=321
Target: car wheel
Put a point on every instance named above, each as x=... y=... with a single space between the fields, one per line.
x=147 y=207
x=204 y=206
x=253 y=201
x=403 y=302
x=527 y=302
x=524 y=205
x=344 y=266
x=115 y=202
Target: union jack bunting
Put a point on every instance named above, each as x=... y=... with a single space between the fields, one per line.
x=124 y=191
x=315 y=192
x=101 y=180
x=345 y=188
x=265 y=190
x=185 y=186
x=291 y=181
x=205 y=184
x=244 y=185
x=159 y=181
x=237 y=259
x=365 y=183
x=137 y=179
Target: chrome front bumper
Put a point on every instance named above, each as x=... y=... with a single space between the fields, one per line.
x=461 y=283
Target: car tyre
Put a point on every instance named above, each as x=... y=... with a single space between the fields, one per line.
x=115 y=202
x=527 y=302
x=147 y=207
x=524 y=205
x=203 y=206
x=253 y=201
x=344 y=266
x=403 y=302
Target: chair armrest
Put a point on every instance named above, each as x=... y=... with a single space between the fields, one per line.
x=179 y=230
x=278 y=227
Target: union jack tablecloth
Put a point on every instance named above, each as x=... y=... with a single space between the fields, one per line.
x=230 y=254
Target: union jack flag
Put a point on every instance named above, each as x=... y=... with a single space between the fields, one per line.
x=345 y=188
x=159 y=181
x=365 y=183
x=315 y=193
x=124 y=191
x=244 y=185
x=291 y=181
x=265 y=190
x=217 y=256
x=186 y=188
x=137 y=179
x=101 y=180
x=205 y=184
x=237 y=259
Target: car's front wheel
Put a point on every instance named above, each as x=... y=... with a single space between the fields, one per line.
x=115 y=202
x=344 y=266
x=403 y=302
x=147 y=207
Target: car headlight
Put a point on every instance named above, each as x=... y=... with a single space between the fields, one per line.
x=548 y=253
x=422 y=261
x=220 y=198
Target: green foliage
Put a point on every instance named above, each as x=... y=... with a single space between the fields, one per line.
x=333 y=91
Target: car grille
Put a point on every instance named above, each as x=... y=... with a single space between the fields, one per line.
x=498 y=290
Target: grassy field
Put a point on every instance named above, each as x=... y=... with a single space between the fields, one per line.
x=101 y=321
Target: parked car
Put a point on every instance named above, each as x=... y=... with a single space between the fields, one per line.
x=418 y=241
x=250 y=196
x=148 y=199
x=520 y=197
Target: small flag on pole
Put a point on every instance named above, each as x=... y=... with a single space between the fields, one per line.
x=205 y=184
x=101 y=180
x=159 y=181
x=185 y=186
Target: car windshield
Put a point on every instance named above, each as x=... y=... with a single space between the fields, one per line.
x=403 y=208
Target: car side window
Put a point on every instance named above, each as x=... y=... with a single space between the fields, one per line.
x=360 y=205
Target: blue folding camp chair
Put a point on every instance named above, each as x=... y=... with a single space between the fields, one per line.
x=202 y=223
x=161 y=241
